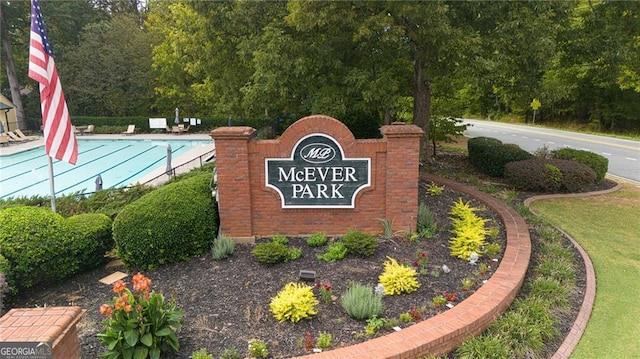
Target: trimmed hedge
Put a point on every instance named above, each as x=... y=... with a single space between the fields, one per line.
x=168 y=225
x=553 y=175
x=490 y=155
x=90 y=236
x=599 y=164
x=41 y=246
x=119 y=124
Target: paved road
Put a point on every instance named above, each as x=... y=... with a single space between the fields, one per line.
x=623 y=155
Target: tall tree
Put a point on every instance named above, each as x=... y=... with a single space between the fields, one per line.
x=7 y=28
x=109 y=73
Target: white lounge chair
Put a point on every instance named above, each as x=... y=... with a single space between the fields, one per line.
x=130 y=130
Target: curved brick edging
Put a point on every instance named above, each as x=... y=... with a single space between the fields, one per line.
x=444 y=332
x=578 y=327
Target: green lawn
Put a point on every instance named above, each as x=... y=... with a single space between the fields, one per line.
x=608 y=228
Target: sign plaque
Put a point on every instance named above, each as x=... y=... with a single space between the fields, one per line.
x=317 y=175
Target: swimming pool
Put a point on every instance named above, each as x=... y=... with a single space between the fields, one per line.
x=118 y=162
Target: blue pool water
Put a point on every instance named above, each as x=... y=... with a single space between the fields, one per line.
x=118 y=162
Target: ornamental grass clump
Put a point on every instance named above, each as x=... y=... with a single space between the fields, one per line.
x=294 y=302
x=223 y=247
x=360 y=302
x=397 y=278
x=468 y=230
x=140 y=323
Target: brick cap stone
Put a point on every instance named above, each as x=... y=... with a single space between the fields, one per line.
x=54 y=321
x=232 y=133
x=401 y=130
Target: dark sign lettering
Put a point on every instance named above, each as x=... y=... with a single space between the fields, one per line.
x=318 y=175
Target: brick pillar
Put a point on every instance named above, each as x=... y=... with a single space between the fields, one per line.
x=234 y=181
x=403 y=168
x=53 y=326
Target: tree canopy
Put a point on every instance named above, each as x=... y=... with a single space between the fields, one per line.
x=364 y=62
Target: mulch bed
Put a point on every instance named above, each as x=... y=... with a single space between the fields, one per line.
x=226 y=303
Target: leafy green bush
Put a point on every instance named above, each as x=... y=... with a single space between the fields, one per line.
x=40 y=245
x=490 y=155
x=360 y=302
x=549 y=175
x=223 y=248
x=317 y=240
x=275 y=252
x=201 y=354
x=468 y=230
x=294 y=302
x=35 y=243
x=335 y=252
x=599 y=164
x=479 y=149
x=280 y=239
x=397 y=278
x=167 y=225
x=90 y=239
x=139 y=323
x=360 y=243
x=258 y=349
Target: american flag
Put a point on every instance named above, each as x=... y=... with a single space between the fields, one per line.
x=60 y=141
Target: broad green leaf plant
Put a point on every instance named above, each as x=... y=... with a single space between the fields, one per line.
x=140 y=324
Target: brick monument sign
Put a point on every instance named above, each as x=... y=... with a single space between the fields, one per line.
x=316 y=178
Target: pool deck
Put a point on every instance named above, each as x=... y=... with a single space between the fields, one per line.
x=185 y=162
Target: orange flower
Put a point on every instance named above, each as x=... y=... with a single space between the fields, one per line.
x=105 y=309
x=141 y=283
x=122 y=302
x=119 y=286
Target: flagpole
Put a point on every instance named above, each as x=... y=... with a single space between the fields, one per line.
x=51 y=185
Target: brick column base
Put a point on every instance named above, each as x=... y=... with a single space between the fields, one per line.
x=55 y=326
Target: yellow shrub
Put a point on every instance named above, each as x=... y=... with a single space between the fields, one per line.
x=397 y=278
x=294 y=302
x=468 y=230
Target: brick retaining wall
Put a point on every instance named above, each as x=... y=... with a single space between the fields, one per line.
x=443 y=333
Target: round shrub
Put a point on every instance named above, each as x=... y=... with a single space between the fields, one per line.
x=317 y=240
x=360 y=243
x=599 y=164
x=34 y=241
x=90 y=238
x=576 y=177
x=168 y=225
x=479 y=148
x=294 y=302
x=275 y=252
x=490 y=155
x=540 y=175
x=397 y=278
x=531 y=175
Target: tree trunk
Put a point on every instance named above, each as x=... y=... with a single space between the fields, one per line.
x=387 y=117
x=421 y=103
x=13 y=78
